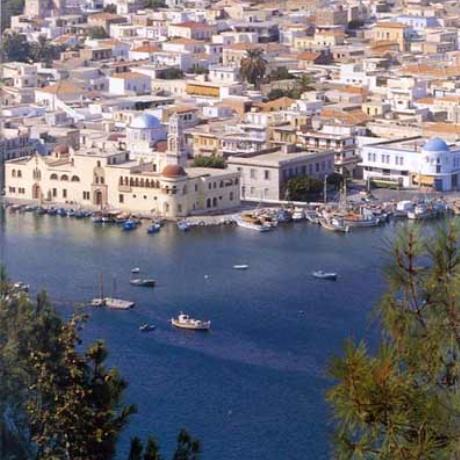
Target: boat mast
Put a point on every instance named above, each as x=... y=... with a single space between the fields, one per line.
x=114 y=286
x=101 y=285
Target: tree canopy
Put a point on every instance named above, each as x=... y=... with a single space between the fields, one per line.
x=402 y=401
x=253 y=66
x=58 y=400
x=209 y=162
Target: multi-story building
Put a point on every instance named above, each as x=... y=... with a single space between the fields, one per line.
x=114 y=178
x=413 y=162
x=264 y=175
x=13 y=144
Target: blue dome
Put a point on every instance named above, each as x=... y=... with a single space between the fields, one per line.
x=145 y=121
x=436 y=145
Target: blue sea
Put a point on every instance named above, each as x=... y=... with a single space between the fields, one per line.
x=254 y=386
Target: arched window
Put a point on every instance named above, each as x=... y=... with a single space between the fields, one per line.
x=208 y=203
x=214 y=202
x=131 y=182
x=65 y=177
x=136 y=182
x=75 y=179
x=102 y=180
x=120 y=181
x=54 y=176
x=37 y=174
x=13 y=173
x=19 y=173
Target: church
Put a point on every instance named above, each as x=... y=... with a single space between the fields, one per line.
x=137 y=177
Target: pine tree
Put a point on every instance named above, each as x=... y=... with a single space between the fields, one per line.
x=402 y=402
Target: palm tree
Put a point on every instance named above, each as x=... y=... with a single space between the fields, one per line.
x=253 y=66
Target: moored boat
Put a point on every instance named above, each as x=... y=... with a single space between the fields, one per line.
x=184 y=321
x=252 y=223
x=241 y=267
x=320 y=274
x=135 y=270
x=334 y=225
x=129 y=225
x=298 y=215
x=138 y=282
x=147 y=327
x=183 y=225
x=153 y=228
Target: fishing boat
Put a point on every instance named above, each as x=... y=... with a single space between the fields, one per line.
x=252 y=223
x=147 y=327
x=129 y=225
x=312 y=216
x=241 y=267
x=320 y=274
x=298 y=215
x=421 y=212
x=29 y=208
x=153 y=228
x=184 y=321
x=334 y=225
x=51 y=211
x=61 y=212
x=138 y=282
x=183 y=225
x=96 y=218
x=283 y=216
x=80 y=214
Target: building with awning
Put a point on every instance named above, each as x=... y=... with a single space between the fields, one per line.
x=413 y=162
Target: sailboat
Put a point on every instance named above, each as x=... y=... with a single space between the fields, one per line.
x=110 y=302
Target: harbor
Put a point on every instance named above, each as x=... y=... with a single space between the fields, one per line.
x=274 y=325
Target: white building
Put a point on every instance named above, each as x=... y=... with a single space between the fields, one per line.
x=413 y=162
x=125 y=83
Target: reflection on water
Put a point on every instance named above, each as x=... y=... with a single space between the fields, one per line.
x=251 y=388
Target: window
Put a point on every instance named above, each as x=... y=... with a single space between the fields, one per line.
x=86 y=195
x=253 y=190
x=54 y=192
x=253 y=173
x=267 y=174
x=231 y=196
x=121 y=198
x=19 y=173
x=64 y=193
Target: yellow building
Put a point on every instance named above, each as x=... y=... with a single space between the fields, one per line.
x=392 y=32
x=117 y=179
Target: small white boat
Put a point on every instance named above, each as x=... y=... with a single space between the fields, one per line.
x=110 y=302
x=20 y=286
x=135 y=270
x=259 y=227
x=183 y=225
x=138 y=282
x=320 y=274
x=241 y=267
x=184 y=321
x=147 y=327
x=298 y=215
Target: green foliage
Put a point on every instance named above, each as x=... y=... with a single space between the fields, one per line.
x=188 y=448
x=335 y=179
x=14 y=47
x=57 y=400
x=209 y=162
x=280 y=73
x=253 y=66
x=302 y=188
x=403 y=401
x=200 y=70
x=276 y=93
x=10 y=8
x=43 y=51
x=111 y=8
x=171 y=73
x=97 y=32
x=154 y=4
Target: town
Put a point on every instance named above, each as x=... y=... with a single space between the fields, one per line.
x=182 y=108
x=229 y=229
